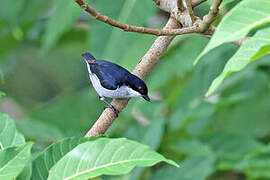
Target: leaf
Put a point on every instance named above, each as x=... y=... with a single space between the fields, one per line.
x=252 y=49
x=11 y=14
x=198 y=168
x=1 y=93
x=104 y=157
x=230 y=149
x=13 y=160
x=192 y=107
x=9 y=136
x=193 y=148
x=62 y=18
x=238 y=22
x=26 y=172
x=77 y=116
x=47 y=158
x=43 y=131
x=149 y=135
x=256 y=165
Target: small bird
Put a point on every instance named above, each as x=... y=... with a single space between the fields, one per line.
x=113 y=81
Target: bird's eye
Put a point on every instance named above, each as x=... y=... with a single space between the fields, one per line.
x=140 y=87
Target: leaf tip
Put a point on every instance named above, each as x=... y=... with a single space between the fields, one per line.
x=171 y=162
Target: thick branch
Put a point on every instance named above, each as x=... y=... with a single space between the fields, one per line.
x=142 y=69
x=211 y=16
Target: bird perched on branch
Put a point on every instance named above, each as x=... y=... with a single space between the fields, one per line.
x=113 y=81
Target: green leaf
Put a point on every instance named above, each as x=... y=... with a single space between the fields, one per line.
x=192 y=108
x=230 y=149
x=11 y=14
x=43 y=131
x=244 y=17
x=13 y=160
x=252 y=49
x=149 y=135
x=47 y=158
x=1 y=93
x=198 y=168
x=77 y=116
x=256 y=165
x=193 y=148
x=9 y=136
x=26 y=172
x=64 y=15
x=104 y=156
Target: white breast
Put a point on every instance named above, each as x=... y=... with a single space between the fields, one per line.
x=121 y=92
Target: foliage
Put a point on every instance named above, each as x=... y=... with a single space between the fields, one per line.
x=44 y=87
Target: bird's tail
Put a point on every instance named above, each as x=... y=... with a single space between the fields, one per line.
x=89 y=57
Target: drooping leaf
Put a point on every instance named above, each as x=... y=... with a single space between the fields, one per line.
x=61 y=20
x=9 y=136
x=13 y=160
x=253 y=48
x=198 y=168
x=46 y=159
x=238 y=22
x=104 y=156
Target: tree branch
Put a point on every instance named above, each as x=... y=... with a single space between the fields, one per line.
x=211 y=16
x=189 y=9
x=195 y=3
x=125 y=27
x=141 y=70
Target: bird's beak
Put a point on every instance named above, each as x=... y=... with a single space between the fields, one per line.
x=85 y=60
x=146 y=97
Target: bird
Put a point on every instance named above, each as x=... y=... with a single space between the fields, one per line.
x=113 y=81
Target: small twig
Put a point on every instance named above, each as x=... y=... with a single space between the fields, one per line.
x=142 y=69
x=211 y=16
x=189 y=9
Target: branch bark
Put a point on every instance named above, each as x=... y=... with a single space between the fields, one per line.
x=211 y=16
x=141 y=70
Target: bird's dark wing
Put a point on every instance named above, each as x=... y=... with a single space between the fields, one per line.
x=110 y=75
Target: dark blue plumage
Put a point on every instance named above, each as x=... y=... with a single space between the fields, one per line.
x=114 y=81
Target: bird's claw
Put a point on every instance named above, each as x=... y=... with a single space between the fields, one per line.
x=116 y=112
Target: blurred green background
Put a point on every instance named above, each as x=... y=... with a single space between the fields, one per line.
x=49 y=94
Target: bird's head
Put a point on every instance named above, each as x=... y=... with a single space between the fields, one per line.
x=141 y=88
x=89 y=58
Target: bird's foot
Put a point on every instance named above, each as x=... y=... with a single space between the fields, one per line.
x=116 y=112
